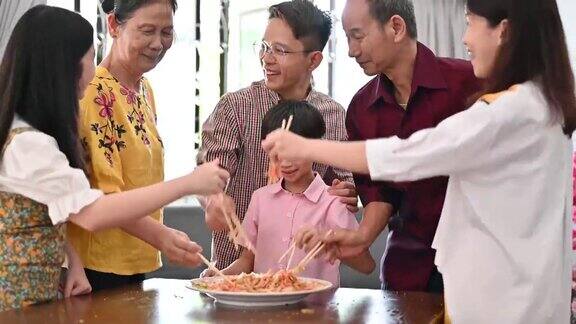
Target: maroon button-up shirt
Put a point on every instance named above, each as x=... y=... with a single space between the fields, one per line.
x=440 y=88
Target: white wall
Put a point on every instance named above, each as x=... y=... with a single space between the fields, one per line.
x=66 y=4
x=173 y=82
x=568 y=12
x=348 y=75
x=10 y=13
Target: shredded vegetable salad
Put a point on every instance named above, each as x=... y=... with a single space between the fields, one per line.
x=281 y=281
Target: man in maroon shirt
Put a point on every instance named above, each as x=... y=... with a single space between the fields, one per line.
x=412 y=90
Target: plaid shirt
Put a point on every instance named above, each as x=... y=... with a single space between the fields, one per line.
x=232 y=133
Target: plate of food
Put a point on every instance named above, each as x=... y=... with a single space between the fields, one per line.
x=259 y=289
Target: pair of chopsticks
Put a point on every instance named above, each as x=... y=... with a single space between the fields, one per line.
x=211 y=266
x=235 y=227
x=272 y=169
x=290 y=250
x=286 y=126
x=307 y=259
x=236 y=232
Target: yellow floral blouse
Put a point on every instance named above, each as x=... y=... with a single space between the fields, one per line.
x=124 y=151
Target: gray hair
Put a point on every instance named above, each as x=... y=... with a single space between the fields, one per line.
x=383 y=10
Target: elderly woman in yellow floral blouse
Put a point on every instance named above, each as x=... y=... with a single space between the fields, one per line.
x=124 y=149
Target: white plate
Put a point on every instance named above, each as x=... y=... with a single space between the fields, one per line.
x=249 y=299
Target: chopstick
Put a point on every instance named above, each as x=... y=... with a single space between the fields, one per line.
x=236 y=230
x=272 y=165
x=213 y=268
x=310 y=256
x=290 y=259
x=291 y=248
x=226 y=187
x=233 y=223
x=289 y=123
x=304 y=262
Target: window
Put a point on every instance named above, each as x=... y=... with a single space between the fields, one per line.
x=173 y=82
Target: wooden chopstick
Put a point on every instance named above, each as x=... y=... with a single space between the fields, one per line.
x=234 y=225
x=213 y=268
x=290 y=259
x=291 y=248
x=227 y=184
x=289 y=123
x=315 y=250
x=242 y=233
x=304 y=262
x=236 y=230
x=272 y=174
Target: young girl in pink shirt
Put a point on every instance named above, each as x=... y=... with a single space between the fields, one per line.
x=295 y=206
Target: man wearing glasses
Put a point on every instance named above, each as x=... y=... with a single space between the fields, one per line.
x=290 y=51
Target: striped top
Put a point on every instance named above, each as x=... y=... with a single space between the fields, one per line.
x=232 y=134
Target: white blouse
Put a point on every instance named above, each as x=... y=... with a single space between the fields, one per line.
x=504 y=238
x=33 y=166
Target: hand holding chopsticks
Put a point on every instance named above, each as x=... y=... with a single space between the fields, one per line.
x=307 y=259
x=236 y=232
x=311 y=255
x=220 y=203
x=273 y=175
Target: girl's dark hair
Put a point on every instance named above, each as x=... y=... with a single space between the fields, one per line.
x=39 y=76
x=124 y=9
x=535 y=50
x=307 y=121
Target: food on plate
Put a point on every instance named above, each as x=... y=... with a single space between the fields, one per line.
x=280 y=281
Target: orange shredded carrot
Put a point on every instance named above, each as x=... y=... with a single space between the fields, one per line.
x=281 y=281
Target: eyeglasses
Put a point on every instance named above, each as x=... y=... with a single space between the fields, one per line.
x=278 y=51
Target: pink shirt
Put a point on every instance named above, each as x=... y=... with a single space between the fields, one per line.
x=275 y=215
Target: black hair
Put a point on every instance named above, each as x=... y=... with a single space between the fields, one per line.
x=39 y=76
x=535 y=49
x=124 y=9
x=309 y=24
x=307 y=121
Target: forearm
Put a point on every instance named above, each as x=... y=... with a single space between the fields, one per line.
x=363 y=263
x=147 y=229
x=73 y=257
x=344 y=155
x=375 y=219
x=245 y=263
x=116 y=209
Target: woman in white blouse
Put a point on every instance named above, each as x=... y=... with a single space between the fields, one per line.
x=503 y=241
x=47 y=65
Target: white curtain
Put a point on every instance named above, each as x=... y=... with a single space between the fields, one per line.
x=10 y=12
x=441 y=26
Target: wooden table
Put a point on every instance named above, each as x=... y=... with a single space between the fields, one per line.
x=169 y=301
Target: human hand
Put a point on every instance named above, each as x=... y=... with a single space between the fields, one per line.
x=347 y=193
